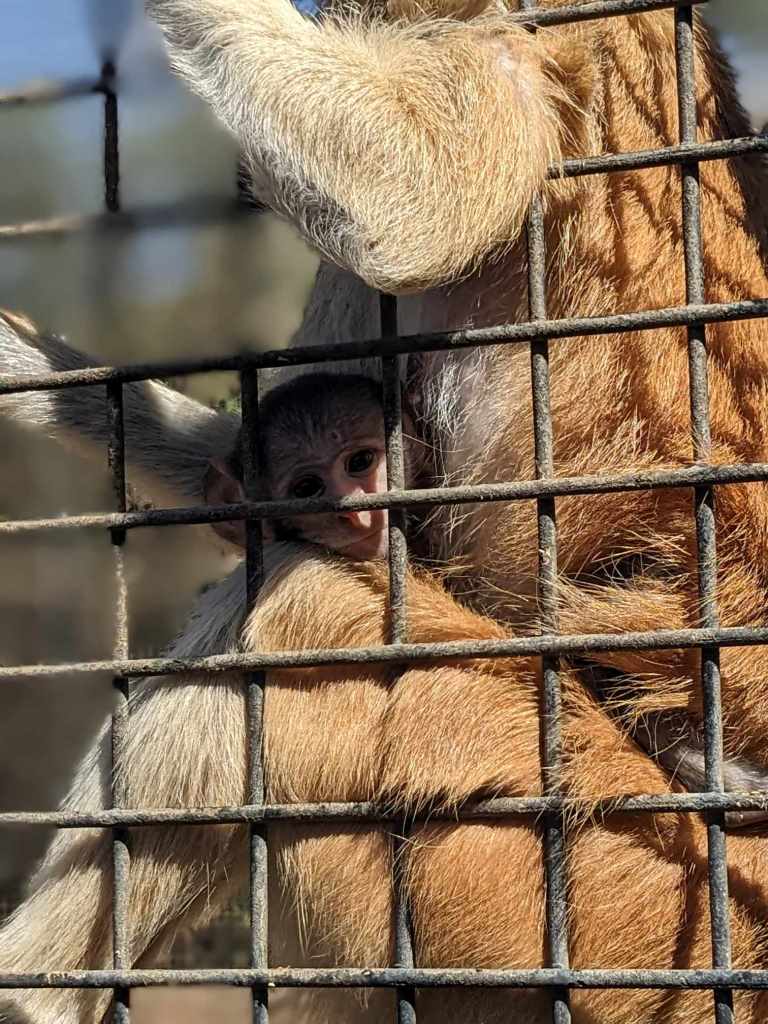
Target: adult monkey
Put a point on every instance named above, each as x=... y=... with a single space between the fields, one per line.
x=407 y=148
x=470 y=156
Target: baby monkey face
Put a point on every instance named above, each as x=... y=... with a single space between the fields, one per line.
x=344 y=461
x=322 y=436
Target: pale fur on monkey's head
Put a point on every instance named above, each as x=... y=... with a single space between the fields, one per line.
x=309 y=406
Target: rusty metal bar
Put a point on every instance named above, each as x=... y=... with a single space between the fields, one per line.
x=556 y=896
x=121 y=849
x=255 y=684
x=538 y=16
x=121 y=845
x=704 y=496
x=567 y=327
x=367 y=812
x=515 y=647
x=393 y=977
x=666 y=156
x=111 y=139
x=517 y=490
x=50 y=92
x=393 y=433
x=185 y=213
x=397 y=556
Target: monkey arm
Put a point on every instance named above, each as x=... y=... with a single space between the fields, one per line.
x=169 y=438
x=405 y=152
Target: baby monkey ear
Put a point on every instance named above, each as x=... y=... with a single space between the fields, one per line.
x=221 y=487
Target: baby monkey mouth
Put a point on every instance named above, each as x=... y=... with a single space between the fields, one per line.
x=372 y=545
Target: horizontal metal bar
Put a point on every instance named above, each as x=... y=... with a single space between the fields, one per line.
x=185 y=213
x=51 y=92
x=568 y=327
x=516 y=490
x=514 y=647
x=392 y=977
x=597 y=9
x=720 y=149
x=371 y=813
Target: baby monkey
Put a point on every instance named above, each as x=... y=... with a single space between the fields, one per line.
x=322 y=436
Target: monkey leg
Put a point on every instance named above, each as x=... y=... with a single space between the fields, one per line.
x=658 y=693
x=186 y=748
x=440 y=735
x=637 y=883
x=451 y=124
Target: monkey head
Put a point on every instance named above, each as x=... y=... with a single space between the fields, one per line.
x=321 y=436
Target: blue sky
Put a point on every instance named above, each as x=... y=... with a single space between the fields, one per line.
x=53 y=37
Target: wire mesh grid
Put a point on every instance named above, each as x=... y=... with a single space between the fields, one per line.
x=405 y=977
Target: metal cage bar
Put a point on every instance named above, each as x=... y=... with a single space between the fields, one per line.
x=409 y=344
x=370 y=813
x=554 y=844
x=255 y=684
x=514 y=647
x=704 y=502
x=396 y=977
x=121 y=848
x=397 y=556
x=556 y=903
x=515 y=490
x=539 y=332
x=121 y=844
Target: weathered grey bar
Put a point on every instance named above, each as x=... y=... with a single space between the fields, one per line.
x=393 y=977
x=514 y=647
x=367 y=812
x=518 y=490
x=568 y=327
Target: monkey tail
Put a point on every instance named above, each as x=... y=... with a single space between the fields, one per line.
x=169 y=438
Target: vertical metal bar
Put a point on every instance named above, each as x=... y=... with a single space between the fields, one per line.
x=554 y=834
x=398 y=625
x=704 y=500
x=393 y=433
x=255 y=683
x=111 y=138
x=556 y=907
x=121 y=850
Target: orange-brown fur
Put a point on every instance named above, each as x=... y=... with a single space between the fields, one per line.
x=446 y=733
x=434 y=737
x=627 y=561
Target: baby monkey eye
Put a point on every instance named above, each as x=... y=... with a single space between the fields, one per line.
x=307 y=487
x=361 y=461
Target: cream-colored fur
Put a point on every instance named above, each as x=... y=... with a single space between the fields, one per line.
x=406 y=148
